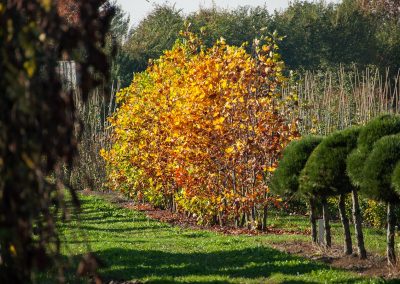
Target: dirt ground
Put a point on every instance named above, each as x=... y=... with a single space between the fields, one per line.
x=373 y=266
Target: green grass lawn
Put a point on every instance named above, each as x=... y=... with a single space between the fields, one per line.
x=135 y=247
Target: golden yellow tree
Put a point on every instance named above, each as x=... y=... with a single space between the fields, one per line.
x=202 y=129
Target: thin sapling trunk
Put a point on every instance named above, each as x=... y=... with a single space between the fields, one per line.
x=348 y=247
x=391 y=221
x=327 y=227
x=358 y=226
x=313 y=221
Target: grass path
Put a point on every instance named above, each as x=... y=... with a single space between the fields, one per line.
x=134 y=247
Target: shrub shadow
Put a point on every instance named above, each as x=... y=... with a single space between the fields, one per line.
x=252 y=263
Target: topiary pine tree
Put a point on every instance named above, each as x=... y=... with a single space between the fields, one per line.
x=285 y=178
x=378 y=182
x=374 y=130
x=325 y=175
x=318 y=179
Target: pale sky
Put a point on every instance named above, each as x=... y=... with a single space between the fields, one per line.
x=138 y=9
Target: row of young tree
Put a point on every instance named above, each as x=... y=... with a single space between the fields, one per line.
x=200 y=131
x=356 y=160
x=315 y=33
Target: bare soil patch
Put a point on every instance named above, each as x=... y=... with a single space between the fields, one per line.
x=373 y=266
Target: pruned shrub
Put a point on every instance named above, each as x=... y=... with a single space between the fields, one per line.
x=373 y=131
x=325 y=175
x=377 y=182
x=285 y=180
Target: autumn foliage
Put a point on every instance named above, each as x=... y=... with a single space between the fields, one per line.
x=201 y=130
x=69 y=10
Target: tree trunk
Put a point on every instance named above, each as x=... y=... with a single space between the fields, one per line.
x=265 y=218
x=327 y=227
x=253 y=217
x=243 y=221
x=237 y=221
x=358 y=226
x=348 y=247
x=391 y=221
x=174 y=207
x=313 y=221
x=220 y=219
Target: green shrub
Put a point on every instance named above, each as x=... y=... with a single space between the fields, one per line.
x=378 y=170
x=285 y=178
x=325 y=171
x=371 y=132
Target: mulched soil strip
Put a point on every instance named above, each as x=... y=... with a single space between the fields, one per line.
x=181 y=220
x=374 y=266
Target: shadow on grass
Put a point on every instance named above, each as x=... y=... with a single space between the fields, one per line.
x=158 y=266
x=118 y=230
x=253 y=263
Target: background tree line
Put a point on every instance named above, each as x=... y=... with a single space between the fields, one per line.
x=318 y=35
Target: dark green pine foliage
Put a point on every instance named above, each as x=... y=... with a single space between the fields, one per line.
x=285 y=180
x=373 y=131
x=379 y=168
x=325 y=171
